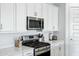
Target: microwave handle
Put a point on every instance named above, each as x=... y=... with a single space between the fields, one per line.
x=42 y=24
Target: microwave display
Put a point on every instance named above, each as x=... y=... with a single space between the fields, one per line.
x=35 y=23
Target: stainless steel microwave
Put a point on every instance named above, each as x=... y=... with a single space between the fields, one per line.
x=34 y=23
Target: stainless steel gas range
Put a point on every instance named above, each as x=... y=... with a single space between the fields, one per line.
x=40 y=48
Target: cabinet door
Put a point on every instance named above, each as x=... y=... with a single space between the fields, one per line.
x=7 y=17
x=30 y=9
x=28 y=52
x=38 y=9
x=52 y=51
x=56 y=50
x=45 y=15
x=55 y=18
x=52 y=17
x=21 y=17
x=61 y=50
x=0 y=17
x=34 y=9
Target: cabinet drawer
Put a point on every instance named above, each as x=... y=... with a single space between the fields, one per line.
x=52 y=52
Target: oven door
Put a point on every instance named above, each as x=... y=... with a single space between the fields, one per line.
x=45 y=54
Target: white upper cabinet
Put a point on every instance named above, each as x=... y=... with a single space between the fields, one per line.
x=50 y=14
x=34 y=9
x=39 y=9
x=53 y=17
x=45 y=16
x=7 y=17
x=50 y=17
x=13 y=16
x=21 y=17
x=30 y=9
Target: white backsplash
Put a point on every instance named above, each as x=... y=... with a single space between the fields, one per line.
x=8 y=39
x=46 y=35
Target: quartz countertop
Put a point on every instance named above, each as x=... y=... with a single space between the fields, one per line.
x=55 y=42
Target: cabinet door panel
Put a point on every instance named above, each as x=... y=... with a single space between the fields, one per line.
x=27 y=52
x=52 y=17
x=56 y=50
x=30 y=9
x=7 y=17
x=21 y=17
x=61 y=50
x=52 y=51
x=45 y=15
x=38 y=7
x=34 y=9
x=55 y=18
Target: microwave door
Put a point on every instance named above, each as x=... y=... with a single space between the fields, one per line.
x=30 y=23
x=33 y=24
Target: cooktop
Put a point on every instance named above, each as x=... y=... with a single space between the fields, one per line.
x=34 y=43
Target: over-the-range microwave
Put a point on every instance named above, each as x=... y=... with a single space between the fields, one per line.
x=34 y=23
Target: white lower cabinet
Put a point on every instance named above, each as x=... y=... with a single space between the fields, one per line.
x=57 y=49
x=61 y=50
x=27 y=51
x=54 y=50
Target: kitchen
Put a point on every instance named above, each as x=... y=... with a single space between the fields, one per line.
x=32 y=29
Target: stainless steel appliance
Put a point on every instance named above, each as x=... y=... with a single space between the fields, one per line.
x=40 y=48
x=34 y=23
x=52 y=37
